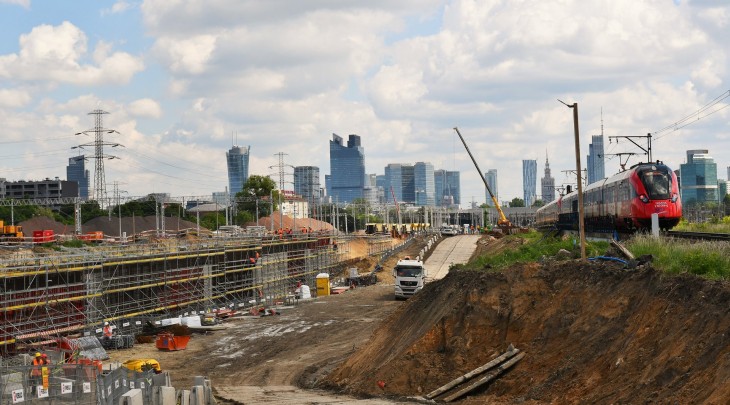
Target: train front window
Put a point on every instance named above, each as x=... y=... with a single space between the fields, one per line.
x=657 y=182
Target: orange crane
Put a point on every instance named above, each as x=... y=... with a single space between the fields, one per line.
x=503 y=223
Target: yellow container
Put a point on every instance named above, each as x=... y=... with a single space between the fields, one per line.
x=323 y=284
x=10 y=229
x=2 y=224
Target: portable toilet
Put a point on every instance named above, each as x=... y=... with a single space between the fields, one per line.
x=323 y=284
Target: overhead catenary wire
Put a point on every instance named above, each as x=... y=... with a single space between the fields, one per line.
x=693 y=117
x=708 y=109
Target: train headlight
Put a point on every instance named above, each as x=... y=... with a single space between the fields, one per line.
x=674 y=198
x=644 y=198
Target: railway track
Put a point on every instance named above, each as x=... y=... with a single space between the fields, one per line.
x=699 y=235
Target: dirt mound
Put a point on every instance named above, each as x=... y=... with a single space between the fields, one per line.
x=45 y=223
x=284 y=221
x=592 y=332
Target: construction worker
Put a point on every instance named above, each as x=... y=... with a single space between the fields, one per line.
x=35 y=373
x=108 y=333
x=45 y=359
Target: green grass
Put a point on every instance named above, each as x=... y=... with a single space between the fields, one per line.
x=714 y=226
x=708 y=259
x=535 y=247
x=73 y=243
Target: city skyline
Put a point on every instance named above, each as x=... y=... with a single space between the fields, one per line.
x=179 y=84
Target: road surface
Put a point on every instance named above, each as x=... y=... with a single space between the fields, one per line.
x=451 y=250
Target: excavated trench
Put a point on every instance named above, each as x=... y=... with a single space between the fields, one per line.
x=592 y=333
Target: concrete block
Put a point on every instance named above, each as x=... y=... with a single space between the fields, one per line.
x=132 y=397
x=163 y=395
x=182 y=397
x=197 y=395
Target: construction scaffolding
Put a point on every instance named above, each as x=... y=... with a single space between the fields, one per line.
x=77 y=290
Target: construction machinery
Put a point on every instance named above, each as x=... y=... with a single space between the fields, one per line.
x=10 y=231
x=503 y=223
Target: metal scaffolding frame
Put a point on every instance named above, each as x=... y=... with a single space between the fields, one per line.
x=75 y=292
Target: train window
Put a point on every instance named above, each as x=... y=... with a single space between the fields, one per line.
x=657 y=182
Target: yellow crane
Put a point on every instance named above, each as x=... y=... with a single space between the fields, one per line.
x=503 y=223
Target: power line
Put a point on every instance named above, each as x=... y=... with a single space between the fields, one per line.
x=695 y=116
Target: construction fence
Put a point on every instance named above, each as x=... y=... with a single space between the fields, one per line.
x=67 y=383
x=87 y=385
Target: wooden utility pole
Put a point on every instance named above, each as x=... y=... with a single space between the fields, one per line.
x=581 y=217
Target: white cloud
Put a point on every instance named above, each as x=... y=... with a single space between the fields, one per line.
x=186 y=56
x=23 y=3
x=56 y=54
x=145 y=107
x=14 y=98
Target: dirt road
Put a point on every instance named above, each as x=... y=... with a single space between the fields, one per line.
x=262 y=359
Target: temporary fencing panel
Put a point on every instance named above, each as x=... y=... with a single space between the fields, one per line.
x=117 y=382
x=67 y=383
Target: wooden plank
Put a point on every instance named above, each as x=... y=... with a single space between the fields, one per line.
x=489 y=377
x=479 y=370
x=622 y=249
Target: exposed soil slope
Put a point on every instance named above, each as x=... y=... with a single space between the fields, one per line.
x=592 y=332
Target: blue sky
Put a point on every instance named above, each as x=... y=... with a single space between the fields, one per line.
x=180 y=77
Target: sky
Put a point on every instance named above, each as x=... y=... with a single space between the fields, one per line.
x=183 y=81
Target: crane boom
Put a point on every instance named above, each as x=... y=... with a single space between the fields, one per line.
x=503 y=222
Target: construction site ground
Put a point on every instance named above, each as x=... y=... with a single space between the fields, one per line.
x=593 y=332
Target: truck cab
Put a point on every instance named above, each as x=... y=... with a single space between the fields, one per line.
x=410 y=277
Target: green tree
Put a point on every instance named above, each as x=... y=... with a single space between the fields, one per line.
x=538 y=203
x=726 y=202
x=212 y=220
x=517 y=202
x=256 y=192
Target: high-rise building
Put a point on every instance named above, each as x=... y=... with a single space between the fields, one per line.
x=402 y=179
x=548 y=184
x=394 y=182
x=595 y=160
x=529 y=181
x=728 y=173
x=698 y=178
x=424 y=184
x=347 y=169
x=306 y=183
x=491 y=177
x=447 y=185
x=76 y=171
x=237 y=159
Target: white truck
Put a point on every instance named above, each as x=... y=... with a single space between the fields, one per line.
x=410 y=277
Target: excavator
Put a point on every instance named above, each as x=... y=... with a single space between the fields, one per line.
x=503 y=223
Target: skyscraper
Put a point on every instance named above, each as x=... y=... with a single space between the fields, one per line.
x=347 y=169
x=447 y=185
x=548 y=184
x=402 y=179
x=595 y=162
x=237 y=159
x=394 y=182
x=424 y=184
x=529 y=181
x=76 y=171
x=306 y=182
x=698 y=178
x=491 y=177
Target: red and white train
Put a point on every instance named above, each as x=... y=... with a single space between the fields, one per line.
x=623 y=202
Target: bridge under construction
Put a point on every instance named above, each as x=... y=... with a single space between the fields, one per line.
x=74 y=291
